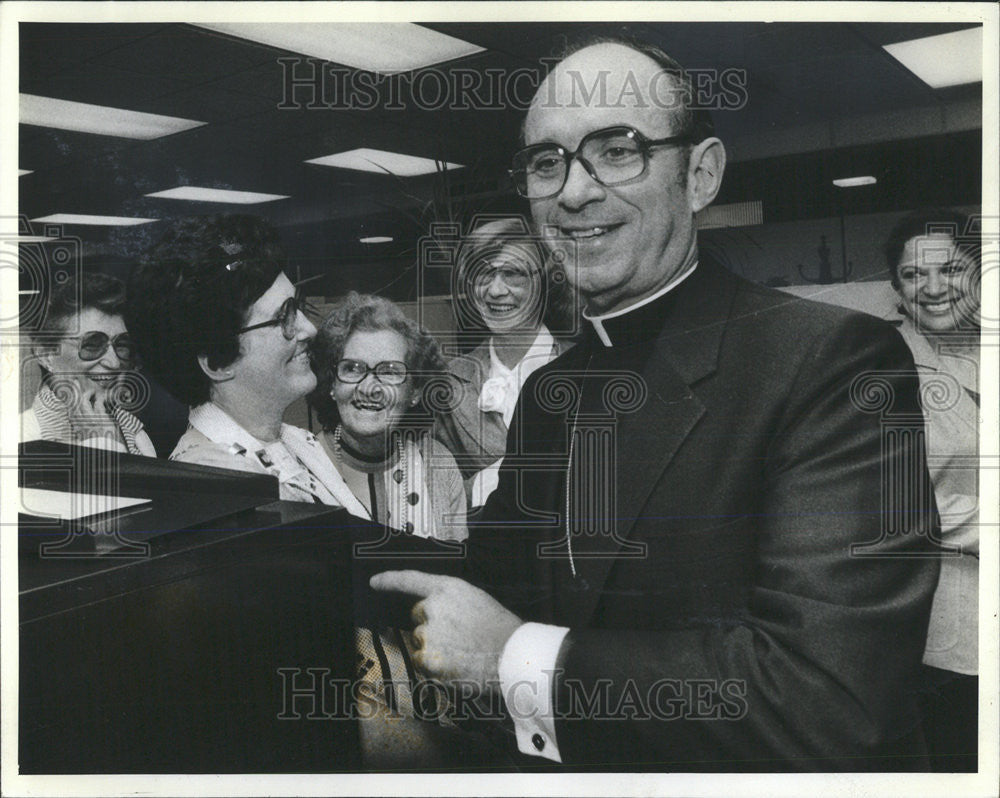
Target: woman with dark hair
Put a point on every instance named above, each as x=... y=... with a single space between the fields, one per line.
x=88 y=362
x=505 y=287
x=372 y=365
x=220 y=326
x=934 y=261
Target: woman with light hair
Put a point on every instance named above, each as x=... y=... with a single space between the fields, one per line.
x=508 y=295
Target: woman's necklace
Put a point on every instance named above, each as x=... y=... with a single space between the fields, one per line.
x=400 y=475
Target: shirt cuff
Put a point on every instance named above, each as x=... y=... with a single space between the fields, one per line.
x=527 y=669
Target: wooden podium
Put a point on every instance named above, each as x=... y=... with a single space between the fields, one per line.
x=227 y=646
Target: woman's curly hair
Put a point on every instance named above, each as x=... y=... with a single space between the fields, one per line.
x=368 y=313
x=192 y=292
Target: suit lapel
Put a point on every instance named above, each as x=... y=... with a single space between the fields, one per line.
x=647 y=440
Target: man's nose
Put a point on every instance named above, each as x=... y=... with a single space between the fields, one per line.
x=580 y=187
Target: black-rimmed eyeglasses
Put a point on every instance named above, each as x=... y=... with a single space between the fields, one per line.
x=388 y=372
x=287 y=316
x=612 y=156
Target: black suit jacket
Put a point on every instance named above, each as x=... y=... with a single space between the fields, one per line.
x=762 y=599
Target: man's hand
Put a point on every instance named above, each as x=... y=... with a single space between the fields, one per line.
x=460 y=629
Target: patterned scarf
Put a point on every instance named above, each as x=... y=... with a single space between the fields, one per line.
x=57 y=423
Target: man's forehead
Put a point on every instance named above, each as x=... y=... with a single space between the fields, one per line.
x=602 y=85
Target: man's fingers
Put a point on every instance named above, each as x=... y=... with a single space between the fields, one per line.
x=415 y=583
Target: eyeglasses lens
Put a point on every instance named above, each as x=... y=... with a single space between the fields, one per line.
x=93 y=345
x=388 y=372
x=614 y=156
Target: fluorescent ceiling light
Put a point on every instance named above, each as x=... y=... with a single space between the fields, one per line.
x=86 y=118
x=80 y=218
x=395 y=163
x=851 y=182
x=23 y=172
x=375 y=47
x=949 y=59
x=197 y=194
x=375 y=239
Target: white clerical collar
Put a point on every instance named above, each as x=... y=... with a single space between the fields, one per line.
x=540 y=347
x=598 y=321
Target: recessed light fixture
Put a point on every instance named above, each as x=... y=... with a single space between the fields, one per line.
x=851 y=182
x=23 y=172
x=381 y=47
x=382 y=162
x=86 y=118
x=80 y=218
x=948 y=59
x=376 y=239
x=198 y=194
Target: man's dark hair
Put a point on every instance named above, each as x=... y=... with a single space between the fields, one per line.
x=927 y=221
x=192 y=292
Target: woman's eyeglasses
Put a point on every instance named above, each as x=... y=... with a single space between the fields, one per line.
x=388 y=372
x=287 y=317
x=511 y=275
x=93 y=346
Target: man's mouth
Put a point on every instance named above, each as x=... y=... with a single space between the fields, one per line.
x=588 y=233
x=104 y=379
x=301 y=357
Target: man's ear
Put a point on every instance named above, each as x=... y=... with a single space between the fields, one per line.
x=215 y=375
x=705 y=168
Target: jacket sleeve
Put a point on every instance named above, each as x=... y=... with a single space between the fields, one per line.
x=815 y=675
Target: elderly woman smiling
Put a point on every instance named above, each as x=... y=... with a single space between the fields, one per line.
x=88 y=365
x=372 y=364
x=219 y=325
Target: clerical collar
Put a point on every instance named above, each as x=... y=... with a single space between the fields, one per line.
x=635 y=322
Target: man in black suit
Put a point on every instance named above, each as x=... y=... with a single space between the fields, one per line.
x=742 y=586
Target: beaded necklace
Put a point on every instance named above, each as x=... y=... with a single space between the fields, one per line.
x=400 y=475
